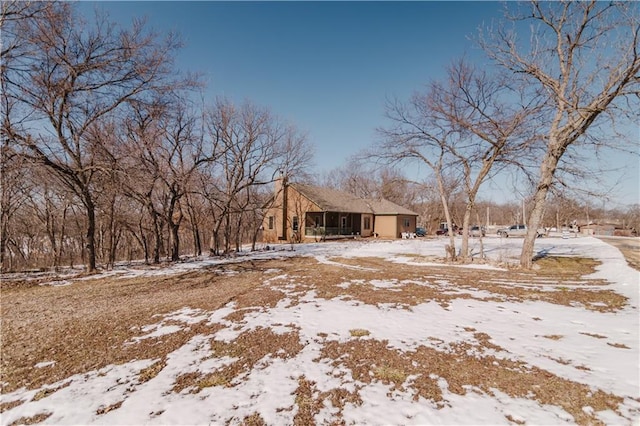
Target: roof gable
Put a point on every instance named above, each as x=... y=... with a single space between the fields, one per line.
x=386 y=207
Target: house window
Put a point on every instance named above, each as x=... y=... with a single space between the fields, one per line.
x=270 y=222
x=295 y=223
x=406 y=222
x=367 y=222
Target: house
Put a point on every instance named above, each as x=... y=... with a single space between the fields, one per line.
x=301 y=211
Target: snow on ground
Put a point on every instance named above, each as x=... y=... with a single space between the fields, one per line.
x=268 y=389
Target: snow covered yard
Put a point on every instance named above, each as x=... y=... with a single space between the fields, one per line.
x=359 y=332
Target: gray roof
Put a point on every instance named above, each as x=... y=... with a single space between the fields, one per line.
x=339 y=201
x=386 y=207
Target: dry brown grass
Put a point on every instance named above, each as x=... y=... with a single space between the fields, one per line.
x=11 y=404
x=152 y=371
x=38 y=418
x=460 y=370
x=618 y=345
x=310 y=401
x=254 y=420
x=359 y=332
x=84 y=327
x=597 y=336
x=106 y=409
x=422 y=283
x=553 y=336
x=249 y=348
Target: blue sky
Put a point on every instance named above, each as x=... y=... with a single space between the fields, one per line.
x=326 y=67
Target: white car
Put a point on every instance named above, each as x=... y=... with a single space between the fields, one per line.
x=477 y=231
x=517 y=231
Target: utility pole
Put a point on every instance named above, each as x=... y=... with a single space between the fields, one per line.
x=487 y=217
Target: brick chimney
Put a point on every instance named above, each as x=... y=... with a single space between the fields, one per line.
x=281 y=189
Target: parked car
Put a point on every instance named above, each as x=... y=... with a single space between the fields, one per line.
x=474 y=231
x=421 y=232
x=517 y=231
x=477 y=231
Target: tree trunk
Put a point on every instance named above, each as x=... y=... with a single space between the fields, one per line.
x=82 y=247
x=115 y=241
x=197 y=245
x=175 y=241
x=239 y=230
x=254 y=236
x=451 y=252
x=111 y=251
x=214 y=244
x=216 y=236
x=49 y=222
x=143 y=240
x=196 y=236
x=254 y=239
x=91 y=234
x=195 y=229
x=3 y=244
x=464 y=249
x=227 y=234
x=59 y=253
x=547 y=171
x=157 y=248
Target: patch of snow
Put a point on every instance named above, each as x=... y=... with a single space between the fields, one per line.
x=609 y=364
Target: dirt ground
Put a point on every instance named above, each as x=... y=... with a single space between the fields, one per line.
x=84 y=326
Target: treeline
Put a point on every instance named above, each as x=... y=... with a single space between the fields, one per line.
x=105 y=155
x=109 y=152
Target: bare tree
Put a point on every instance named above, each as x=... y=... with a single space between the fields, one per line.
x=162 y=153
x=255 y=147
x=417 y=135
x=15 y=190
x=181 y=152
x=356 y=177
x=13 y=14
x=76 y=75
x=584 y=58
x=13 y=167
x=371 y=181
x=494 y=128
x=140 y=169
x=51 y=206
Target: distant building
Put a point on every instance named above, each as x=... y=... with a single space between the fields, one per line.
x=593 y=229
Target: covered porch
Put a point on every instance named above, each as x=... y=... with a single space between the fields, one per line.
x=325 y=224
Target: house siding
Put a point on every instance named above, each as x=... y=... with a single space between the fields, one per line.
x=406 y=223
x=392 y=226
x=385 y=227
